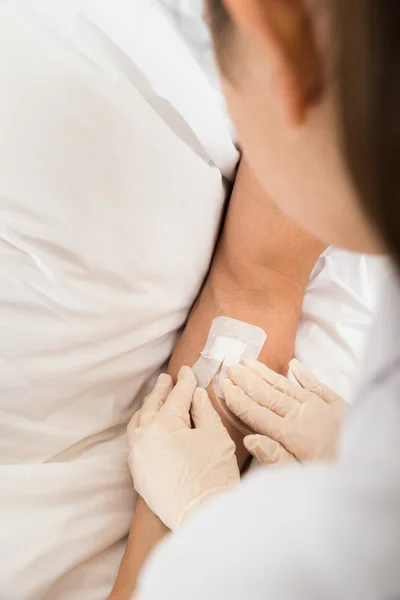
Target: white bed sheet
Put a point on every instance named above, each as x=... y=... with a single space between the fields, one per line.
x=90 y=303
x=108 y=219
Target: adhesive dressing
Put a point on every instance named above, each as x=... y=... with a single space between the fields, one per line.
x=229 y=342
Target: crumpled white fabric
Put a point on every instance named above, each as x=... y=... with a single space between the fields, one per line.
x=136 y=40
x=339 y=306
x=188 y=18
x=108 y=219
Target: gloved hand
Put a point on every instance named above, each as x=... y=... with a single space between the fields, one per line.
x=175 y=467
x=291 y=422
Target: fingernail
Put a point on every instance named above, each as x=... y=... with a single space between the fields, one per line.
x=252 y=363
x=201 y=394
x=296 y=366
x=263 y=371
x=197 y=393
x=184 y=372
x=226 y=385
x=250 y=442
x=230 y=393
x=294 y=361
x=235 y=370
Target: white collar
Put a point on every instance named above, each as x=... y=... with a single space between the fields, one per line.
x=383 y=351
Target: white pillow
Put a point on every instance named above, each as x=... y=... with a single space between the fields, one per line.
x=108 y=221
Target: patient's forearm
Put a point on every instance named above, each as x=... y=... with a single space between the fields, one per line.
x=277 y=315
x=259 y=275
x=146 y=532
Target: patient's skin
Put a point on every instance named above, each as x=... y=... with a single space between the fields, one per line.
x=259 y=279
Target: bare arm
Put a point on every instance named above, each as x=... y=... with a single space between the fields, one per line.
x=258 y=275
x=146 y=532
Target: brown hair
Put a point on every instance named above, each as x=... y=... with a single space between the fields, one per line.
x=368 y=41
x=369 y=75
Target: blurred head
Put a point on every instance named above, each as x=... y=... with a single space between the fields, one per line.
x=316 y=108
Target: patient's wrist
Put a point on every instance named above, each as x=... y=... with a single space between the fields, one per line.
x=231 y=277
x=267 y=300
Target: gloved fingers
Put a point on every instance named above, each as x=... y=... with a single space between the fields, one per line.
x=133 y=425
x=203 y=413
x=266 y=450
x=260 y=391
x=308 y=380
x=156 y=399
x=259 y=419
x=180 y=399
x=279 y=382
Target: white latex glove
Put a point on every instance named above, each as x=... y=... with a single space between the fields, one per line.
x=291 y=422
x=175 y=467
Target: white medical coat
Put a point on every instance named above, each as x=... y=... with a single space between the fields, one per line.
x=314 y=532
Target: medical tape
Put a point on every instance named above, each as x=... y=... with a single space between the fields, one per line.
x=229 y=342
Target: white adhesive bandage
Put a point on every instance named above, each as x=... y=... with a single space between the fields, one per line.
x=229 y=342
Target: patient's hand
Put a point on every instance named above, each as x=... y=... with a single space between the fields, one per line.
x=292 y=423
